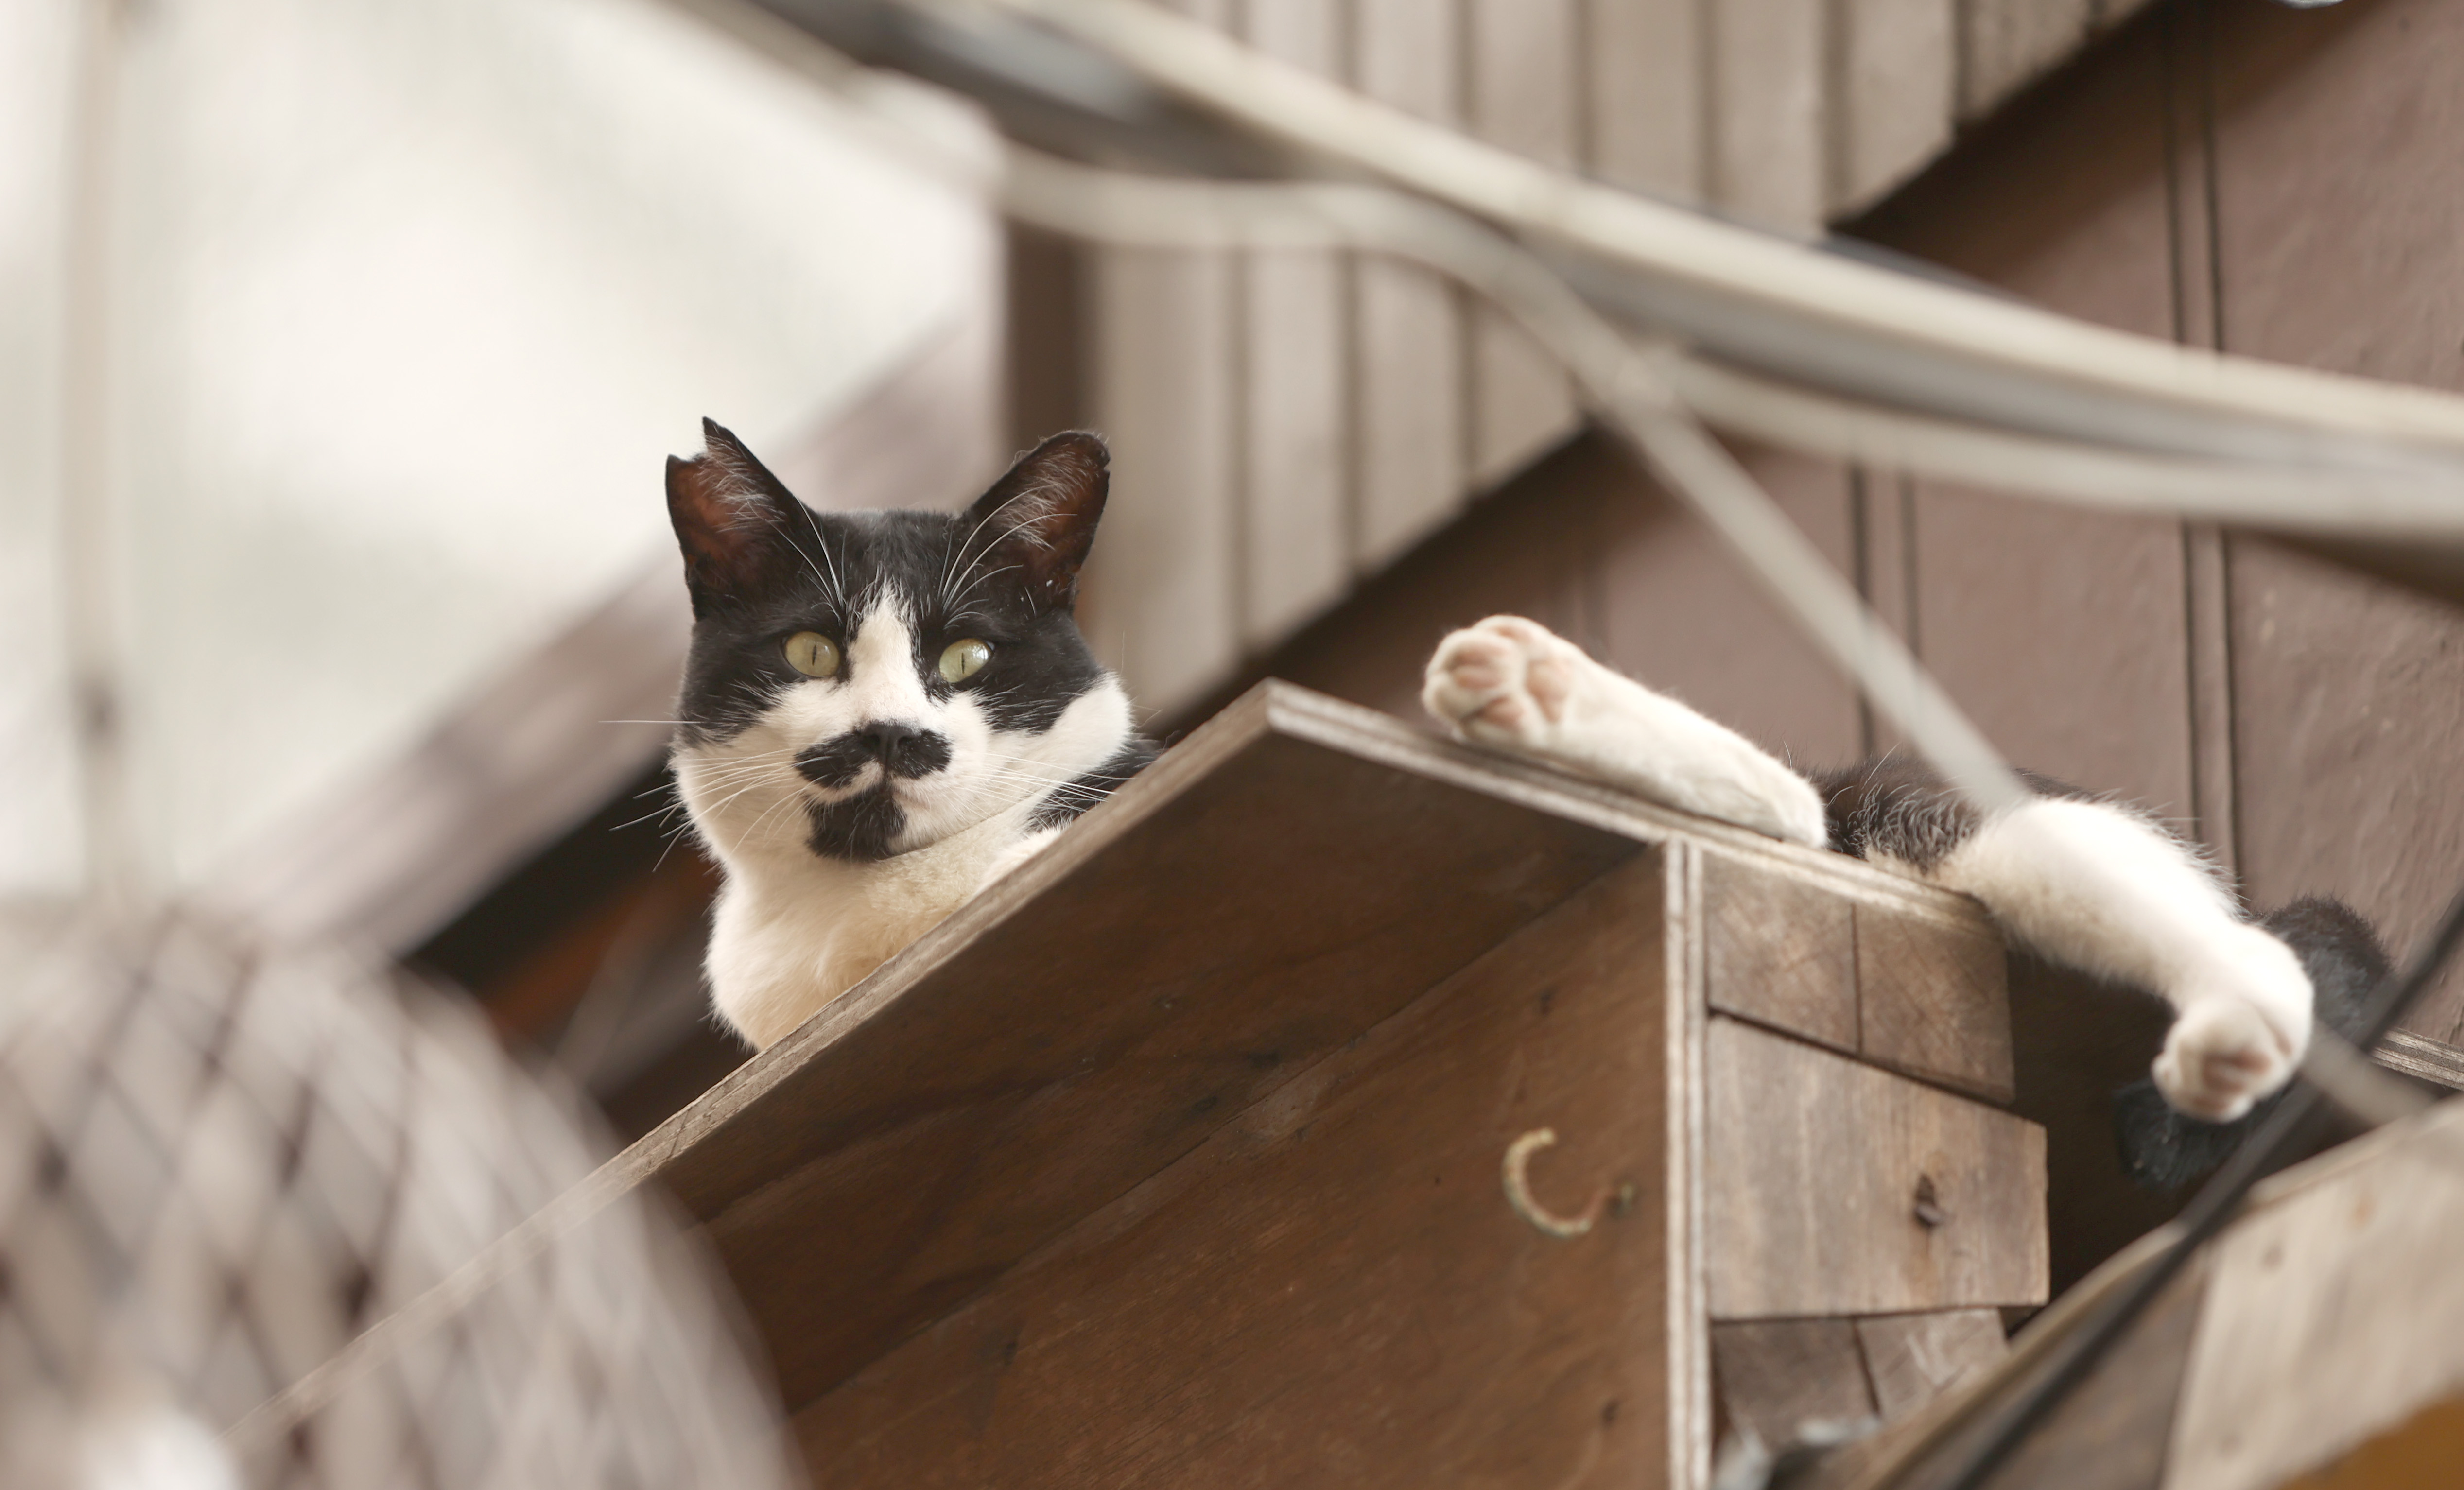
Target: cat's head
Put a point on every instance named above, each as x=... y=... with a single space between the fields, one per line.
x=863 y=683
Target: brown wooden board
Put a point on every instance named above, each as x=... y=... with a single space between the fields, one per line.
x=1294 y=872
x=1912 y=1359
x=1332 y=1290
x=1780 y=952
x=1837 y=1189
x=1776 y=1376
x=1931 y=999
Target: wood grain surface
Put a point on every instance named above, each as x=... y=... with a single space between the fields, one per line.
x=1331 y=1288
x=1931 y=999
x=1838 y=1189
x=1780 y=952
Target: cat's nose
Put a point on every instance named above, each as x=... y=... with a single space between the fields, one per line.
x=903 y=748
x=885 y=739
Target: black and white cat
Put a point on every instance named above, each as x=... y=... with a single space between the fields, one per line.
x=882 y=712
x=2081 y=882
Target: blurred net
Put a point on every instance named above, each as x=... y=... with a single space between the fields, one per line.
x=220 y=1163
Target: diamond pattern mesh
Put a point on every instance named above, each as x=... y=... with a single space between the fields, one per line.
x=219 y=1164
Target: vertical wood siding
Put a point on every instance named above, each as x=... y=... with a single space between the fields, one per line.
x=2300 y=721
x=1353 y=407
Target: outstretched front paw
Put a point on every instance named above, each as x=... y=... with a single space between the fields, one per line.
x=2239 y=1044
x=1507 y=681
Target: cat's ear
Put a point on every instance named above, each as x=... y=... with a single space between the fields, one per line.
x=739 y=527
x=1039 y=519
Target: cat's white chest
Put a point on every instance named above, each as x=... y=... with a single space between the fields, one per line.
x=782 y=945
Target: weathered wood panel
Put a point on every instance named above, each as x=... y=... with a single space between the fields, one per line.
x=1768 y=74
x=1779 y=951
x=2335 y=1307
x=1843 y=1190
x=1295 y=556
x=1158 y=601
x=1912 y=1359
x=1521 y=56
x=1776 y=1375
x=1931 y=1000
x=1640 y=70
x=1408 y=323
x=2338 y=250
x=2008 y=44
x=1898 y=77
x=1330 y=1290
x=982 y=1103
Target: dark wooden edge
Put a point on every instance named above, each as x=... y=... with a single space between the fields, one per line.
x=2419 y=1056
x=1270 y=709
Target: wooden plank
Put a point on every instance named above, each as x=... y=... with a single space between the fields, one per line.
x=1332 y=1289
x=1769 y=80
x=1838 y=1189
x=1408 y=350
x=1523 y=58
x=1296 y=556
x=1912 y=1359
x=1158 y=601
x=2006 y=44
x=2335 y=1305
x=935 y=1126
x=1780 y=952
x=1778 y=1376
x=1894 y=97
x=1646 y=91
x=1932 y=1000
x=2348 y=696
x=2110 y=1433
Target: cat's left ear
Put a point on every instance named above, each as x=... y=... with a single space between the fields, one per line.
x=739 y=527
x=1040 y=517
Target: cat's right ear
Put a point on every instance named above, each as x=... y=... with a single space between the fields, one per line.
x=739 y=527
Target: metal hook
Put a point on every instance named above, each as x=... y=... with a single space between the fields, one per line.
x=1518 y=1191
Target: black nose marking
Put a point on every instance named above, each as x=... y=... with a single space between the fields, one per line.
x=903 y=750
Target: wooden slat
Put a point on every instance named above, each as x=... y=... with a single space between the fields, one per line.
x=2007 y=44
x=1522 y=56
x=1932 y=1000
x=1158 y=601
x=1838 y=1189
x=1332 y=1289
x=2337 y=1306
x=1296 y=403
x=939 y=1124
x=1912 y=1359
x=1777 y=1376
x=1768 y=73
x=1644 y=62
x=1408 y=352
x=1892 y=107
x=1780 y=952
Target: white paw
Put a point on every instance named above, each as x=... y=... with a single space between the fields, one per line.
x=1507 y=681
x=2244 y=1023
x=1014 y=855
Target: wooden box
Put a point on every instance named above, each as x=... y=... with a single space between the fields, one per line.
x=1176 y=1158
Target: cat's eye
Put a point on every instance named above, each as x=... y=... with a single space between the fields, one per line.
x=815 y=655
x=961 y=660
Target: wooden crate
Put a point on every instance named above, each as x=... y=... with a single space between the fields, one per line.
x=1177 y=1157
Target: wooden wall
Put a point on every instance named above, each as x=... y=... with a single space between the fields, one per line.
x=1286 y=423
x=2289 y=184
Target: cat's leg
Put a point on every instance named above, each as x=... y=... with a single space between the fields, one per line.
x=1515 y=684
x=2101 y=890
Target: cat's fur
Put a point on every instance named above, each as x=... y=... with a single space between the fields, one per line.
x=851 y=812
x=2082 y=882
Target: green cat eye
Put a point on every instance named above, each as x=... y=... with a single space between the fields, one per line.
x=961 y=660
x=817 y=656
